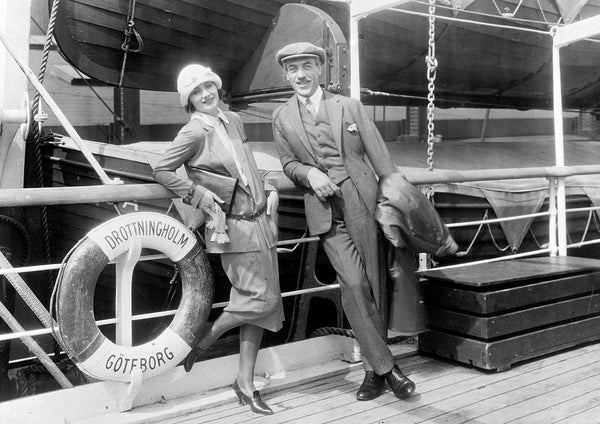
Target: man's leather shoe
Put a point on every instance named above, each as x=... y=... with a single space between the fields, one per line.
x=400 y=384
x=371 y=387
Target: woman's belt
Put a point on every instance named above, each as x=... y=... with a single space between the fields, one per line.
x=249 y=216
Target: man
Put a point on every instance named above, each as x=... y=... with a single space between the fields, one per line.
x=324 y=141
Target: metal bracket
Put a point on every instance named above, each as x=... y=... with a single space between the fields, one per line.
x=127 y=392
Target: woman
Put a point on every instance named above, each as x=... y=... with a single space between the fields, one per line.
x=212 y=145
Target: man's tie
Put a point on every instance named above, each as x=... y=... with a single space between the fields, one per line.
x=311 y=107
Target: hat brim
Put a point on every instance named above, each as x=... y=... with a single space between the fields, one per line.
x=184 y=96
x=300 y=55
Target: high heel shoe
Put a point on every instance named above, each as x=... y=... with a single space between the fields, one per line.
x=256 y=403
x=192 y=357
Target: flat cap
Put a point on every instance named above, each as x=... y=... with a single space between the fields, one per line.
x=297 y=50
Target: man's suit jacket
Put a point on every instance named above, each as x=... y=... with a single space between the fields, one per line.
x=197 y=146
x=357 y=140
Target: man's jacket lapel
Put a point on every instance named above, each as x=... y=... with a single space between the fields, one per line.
x=334 y=110
x=296 y=120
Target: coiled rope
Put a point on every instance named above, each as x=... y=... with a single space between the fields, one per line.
x=325 y=331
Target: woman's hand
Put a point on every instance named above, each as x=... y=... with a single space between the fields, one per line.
x=272 y=202
x=209 y=201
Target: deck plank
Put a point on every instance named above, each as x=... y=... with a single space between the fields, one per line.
x=578 y=400
x=506 y=393
x=587 y=416
x=388 y=403
x=558 y=399
x=559 y=388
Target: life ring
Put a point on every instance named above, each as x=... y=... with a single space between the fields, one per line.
x=78 y=332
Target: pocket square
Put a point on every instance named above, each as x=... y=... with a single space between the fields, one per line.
x=352 y=129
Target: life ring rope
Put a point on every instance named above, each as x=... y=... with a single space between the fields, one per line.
x=55 y=333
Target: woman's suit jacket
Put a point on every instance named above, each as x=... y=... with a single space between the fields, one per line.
x=357 y=139
x=197 y=145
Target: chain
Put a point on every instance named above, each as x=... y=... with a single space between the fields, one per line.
x=432 y=64
x=425 y=258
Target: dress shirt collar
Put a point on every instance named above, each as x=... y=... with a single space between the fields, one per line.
x=315 y=99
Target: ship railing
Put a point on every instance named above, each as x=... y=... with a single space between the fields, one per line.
x=140 y=192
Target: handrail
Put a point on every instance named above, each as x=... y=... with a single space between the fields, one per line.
x=452 y=176
x=154 y=191
x=159 y=314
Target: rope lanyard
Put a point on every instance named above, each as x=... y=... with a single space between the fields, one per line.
x=126 y=45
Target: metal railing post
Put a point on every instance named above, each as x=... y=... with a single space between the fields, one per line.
x=559 y=153
x=552 y=217
x=561 y=216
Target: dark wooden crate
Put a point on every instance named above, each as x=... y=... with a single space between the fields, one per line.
x=494 y=315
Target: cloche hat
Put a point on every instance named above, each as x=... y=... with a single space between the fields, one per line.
x=191 y=77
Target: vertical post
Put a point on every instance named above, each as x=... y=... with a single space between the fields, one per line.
x=559 y=153
x=125 y=264
x=354 y=55
x=552 y=217
x=354 y=93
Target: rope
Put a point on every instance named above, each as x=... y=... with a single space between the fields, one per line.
x=86 y=82
x=44 y=64
x=485 y=217
x=325 y=331
x=36 y=132
x=542 y=12
x=55 y=333
x=126 y=47
x=456 y=10
x=536 y=241
x=468 y=21
x=501 y=249
x=129 y=31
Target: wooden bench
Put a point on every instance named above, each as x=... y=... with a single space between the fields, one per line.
x=497 y=314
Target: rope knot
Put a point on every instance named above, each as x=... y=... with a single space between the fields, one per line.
x=126 y=46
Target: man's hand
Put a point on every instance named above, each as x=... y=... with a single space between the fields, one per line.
x=272 y=202
x=322 y=185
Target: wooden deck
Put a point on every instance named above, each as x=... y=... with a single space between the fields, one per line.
x=561 y=388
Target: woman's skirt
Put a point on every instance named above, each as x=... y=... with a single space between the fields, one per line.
x=255 y=296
